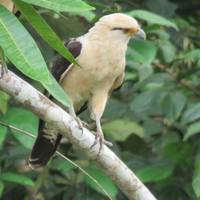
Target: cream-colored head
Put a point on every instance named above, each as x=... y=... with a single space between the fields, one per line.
x=118 y=26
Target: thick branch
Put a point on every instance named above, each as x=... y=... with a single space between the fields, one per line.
x=23 y=92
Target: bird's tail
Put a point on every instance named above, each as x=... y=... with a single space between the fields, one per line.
x=44 y=147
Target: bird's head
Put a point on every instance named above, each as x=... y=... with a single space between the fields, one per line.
x=119 y=26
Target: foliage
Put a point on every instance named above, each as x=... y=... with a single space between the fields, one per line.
x=153 y=121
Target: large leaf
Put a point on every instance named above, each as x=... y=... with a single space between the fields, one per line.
x=196 y=176
x=152 y=18
x=103 y=180
x=45 y=31
x=16 y=178
x=21 y=49
x=62 y=5
x=22 y=119
x=121 y=129
x=155 y=172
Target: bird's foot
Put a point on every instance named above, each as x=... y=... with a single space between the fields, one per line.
x=99 y=138
x=81 y=124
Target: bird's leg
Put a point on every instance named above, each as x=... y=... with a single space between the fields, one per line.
x=73 y=114
x=99 y=136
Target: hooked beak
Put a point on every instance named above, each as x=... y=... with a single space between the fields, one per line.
x=140 y=34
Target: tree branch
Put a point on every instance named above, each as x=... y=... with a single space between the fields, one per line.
x=32 y=99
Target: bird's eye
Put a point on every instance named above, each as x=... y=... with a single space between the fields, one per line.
x=117 y=29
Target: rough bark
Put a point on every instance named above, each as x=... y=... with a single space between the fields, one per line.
x=33 y=100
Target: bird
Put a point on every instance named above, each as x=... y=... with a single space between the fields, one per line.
x=101 y=55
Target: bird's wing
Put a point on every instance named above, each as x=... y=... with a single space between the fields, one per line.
x=118 y=82
x=61 y=65
x=45 y=144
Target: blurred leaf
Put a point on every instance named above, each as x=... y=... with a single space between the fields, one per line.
x=192 y=130
x=45 y=31
x=16 y=178
x=61 y=165
x=1 y=188
x=168 y=51
x=143 y=51
x=25 y=55
x=173 y=104
x=3 y=133
x=191 y=114
x=62 y=5
x=103 y=180
x=22 y=119
x=193 y=55
x=155 y=172
x=196 y=176
x=88 y=15
x=152 y=18
x=119 y=130
x=177 y=152
x=3 y=102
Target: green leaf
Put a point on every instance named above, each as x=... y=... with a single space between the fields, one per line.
x=1 y=188
x=22 y=119
x=62 y=165
x=121 y=129
x=57 y=92
x=142 y=51
x=196 y=176
x=3 y=102
x=45 y=31
x=192 y=130
x=3 y=133
x=103 y=180
x=155 y=172
x=191 y=114
x=173 y=105
x=152 y=18
x=21 y=49
x=16 y=178
x=62 y=5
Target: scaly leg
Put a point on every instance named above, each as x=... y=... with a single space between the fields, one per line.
x=99 y=136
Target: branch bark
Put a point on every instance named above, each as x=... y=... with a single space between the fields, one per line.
x=32 y=99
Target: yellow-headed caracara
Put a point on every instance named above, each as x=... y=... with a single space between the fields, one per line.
x=101 y=55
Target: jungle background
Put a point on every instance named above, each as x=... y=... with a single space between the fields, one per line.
x=153 y=121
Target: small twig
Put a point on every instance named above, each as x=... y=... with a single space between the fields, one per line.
x=61 y=155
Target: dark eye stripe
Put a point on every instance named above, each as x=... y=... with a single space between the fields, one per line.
x=117 y=28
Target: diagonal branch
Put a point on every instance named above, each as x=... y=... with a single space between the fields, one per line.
x=28 y=96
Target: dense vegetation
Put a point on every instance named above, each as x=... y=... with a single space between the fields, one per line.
x=153 y=121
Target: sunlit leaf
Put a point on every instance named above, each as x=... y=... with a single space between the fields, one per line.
x=62 y=5
x=23 y=52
